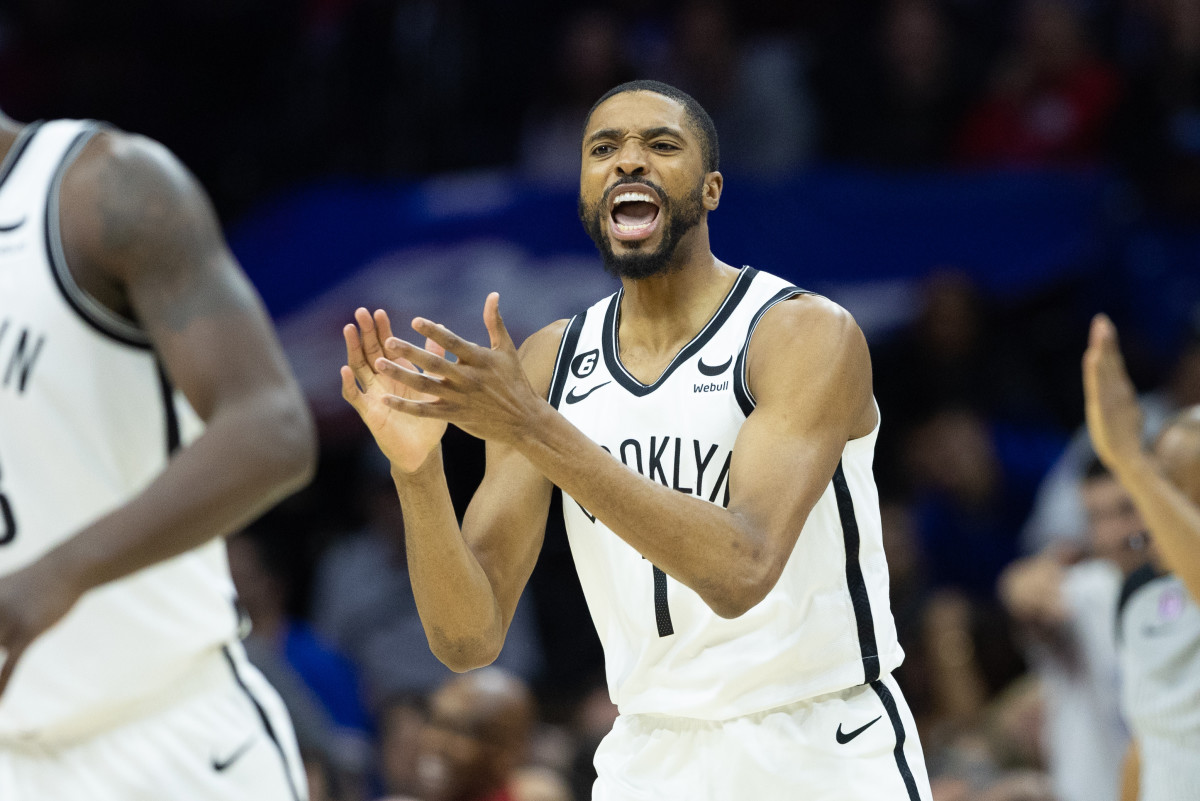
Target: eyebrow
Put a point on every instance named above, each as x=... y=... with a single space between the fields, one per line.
x=648 y=133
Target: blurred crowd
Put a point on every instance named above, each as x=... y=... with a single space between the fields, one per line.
x=258 y=96
x=1004 y=550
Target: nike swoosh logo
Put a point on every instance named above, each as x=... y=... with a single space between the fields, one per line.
x=847 y=737
x=220 y=765
x=4 y=229
x=709 y=369
x=573 y=398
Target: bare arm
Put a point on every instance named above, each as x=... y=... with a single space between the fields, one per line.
x=812 y=399
x=1131 y=769
x=140 y=236
x=1115 y=422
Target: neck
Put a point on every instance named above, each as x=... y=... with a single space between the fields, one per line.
x=661 y=313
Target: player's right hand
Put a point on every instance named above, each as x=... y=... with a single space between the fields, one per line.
x=32 y=600
x=405 y=440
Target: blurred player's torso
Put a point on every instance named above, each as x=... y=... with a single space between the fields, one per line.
x=825 y=626
x=1159 y=644
x=87 y=420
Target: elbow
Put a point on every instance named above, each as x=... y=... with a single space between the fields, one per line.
x=461 y=655
x=735 y=597
x=291 y=442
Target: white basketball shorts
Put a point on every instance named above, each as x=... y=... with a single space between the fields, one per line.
x=228 y=738
x=859 y=744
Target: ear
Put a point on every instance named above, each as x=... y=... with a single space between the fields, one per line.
x=713 y=183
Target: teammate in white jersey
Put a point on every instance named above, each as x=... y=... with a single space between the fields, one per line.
x=146 y=410
x=712 y=431
x=1159 y=612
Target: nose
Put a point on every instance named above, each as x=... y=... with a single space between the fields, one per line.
x=631 y=160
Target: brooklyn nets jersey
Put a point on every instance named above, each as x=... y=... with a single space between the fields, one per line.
x=87 y=420
x=825 y=626
x=1159 y=647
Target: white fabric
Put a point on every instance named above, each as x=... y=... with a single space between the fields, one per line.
x=803 y=639
x=1160 y=667
x=83 y=428
x=782 y=754
x=171 y=752
x=1086 y=736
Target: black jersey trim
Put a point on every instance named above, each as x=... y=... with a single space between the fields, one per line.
x=1133 y=582
x=855 y=582
x=741 y=383
x=562 y=362
x=893 y=713
x=266 y=722
x=170 y=415
x=662 y=610
x=93 y=313
x=16 y=149
x=611 y=348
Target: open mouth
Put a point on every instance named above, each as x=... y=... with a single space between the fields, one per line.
x=633 y=212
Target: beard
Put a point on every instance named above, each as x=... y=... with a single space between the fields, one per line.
x=638 y=264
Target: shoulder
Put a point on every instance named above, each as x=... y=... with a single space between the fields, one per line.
x=538 y=353
x=128 y=169
x=809 y=329
x=810 y=348
x=126 y=195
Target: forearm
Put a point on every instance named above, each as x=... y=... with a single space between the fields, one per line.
x=702 y=545
x=455 y=599
x=250 y=456
x=1172 y=518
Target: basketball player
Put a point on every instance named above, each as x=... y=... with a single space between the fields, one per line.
x=146 y=410
x=712 y=431
x=1158 y=614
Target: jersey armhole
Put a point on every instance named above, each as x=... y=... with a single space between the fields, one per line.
x=741 y=381
x=562 y=362
x=95 y=314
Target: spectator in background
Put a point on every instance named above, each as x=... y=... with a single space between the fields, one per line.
x=1065 y=608
x=901 y=105
x=319 y=685
x=755 y=88
x=363 y=603
x=1158 y=128
x=475 y=740
x=588 y=58
x=1051 y=98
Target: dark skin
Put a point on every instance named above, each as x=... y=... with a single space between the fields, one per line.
x=141 y=237
x=811 y=401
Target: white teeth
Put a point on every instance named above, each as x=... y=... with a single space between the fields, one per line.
x=629 y=229
x=633 y=197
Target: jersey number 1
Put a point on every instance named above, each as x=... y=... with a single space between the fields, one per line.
x=8 y=523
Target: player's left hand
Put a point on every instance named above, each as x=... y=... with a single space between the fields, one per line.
x=32 y=600
x=1114 y=418
x=485 y=392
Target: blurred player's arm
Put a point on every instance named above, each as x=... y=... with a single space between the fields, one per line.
x=1131 y=768
x=466 y=582
x=808 y=367
x=141 y=237
x=1114 y=421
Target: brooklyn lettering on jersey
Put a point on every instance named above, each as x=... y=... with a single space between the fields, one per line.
x=685 y=465
x=19 y=351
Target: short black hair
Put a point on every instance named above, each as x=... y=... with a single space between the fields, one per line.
x=698 y=118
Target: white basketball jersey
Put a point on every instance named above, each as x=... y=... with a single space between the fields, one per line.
x=1159 y=647
x=825 y=626
x=87 y=420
